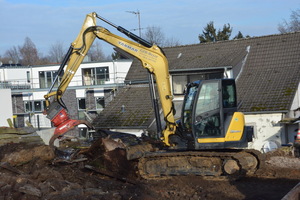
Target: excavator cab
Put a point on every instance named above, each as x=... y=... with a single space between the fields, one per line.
x=209 y=116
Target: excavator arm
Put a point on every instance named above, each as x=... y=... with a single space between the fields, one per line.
x=150 y=55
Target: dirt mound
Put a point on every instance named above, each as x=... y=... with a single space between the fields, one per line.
x=280 y=164
x=41 y=178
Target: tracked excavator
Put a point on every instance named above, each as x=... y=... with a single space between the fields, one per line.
x=209 y=138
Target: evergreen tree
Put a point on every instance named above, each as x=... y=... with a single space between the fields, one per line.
x=210 y=34
x=239 y=36
x=225 y=33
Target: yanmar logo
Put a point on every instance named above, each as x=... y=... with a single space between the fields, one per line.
x=128 y=46
x=235 y=131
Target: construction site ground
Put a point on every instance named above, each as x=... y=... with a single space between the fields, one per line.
x=29 y=171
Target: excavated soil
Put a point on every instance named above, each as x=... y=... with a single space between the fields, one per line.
x=33 y=175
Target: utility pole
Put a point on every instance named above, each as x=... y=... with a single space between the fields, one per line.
x=139 y=18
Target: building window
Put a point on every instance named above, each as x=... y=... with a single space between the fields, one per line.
x=28 y=76
x=81 y=115
x=28 y=106
x=100 y=103
x=46 y=78
x=95 y=76
x=34 y=106
x=81 y=108
x=83 y=132
x=37 y=105
x=81 y=104
x=179 y=81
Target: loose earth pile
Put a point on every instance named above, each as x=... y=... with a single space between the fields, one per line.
x=32 y=172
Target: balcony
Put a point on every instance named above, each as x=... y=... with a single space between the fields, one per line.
x=15 y=85
x=77 y=81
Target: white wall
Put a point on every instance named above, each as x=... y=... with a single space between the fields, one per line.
x=296 y=104
x=121 y=68
x=5 y=106
x=266 y=129
x=17 y=74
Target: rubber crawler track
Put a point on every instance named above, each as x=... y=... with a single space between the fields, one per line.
x=158 y=165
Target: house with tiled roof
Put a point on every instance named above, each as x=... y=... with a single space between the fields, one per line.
x=267 y=73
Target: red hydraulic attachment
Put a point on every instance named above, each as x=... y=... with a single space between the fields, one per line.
x=63 y=124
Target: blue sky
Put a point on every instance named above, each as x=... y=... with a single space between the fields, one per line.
x=47 y=22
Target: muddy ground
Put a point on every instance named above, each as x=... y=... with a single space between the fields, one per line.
x=29 y=172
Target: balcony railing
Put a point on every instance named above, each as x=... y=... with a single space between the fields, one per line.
x=15 y=85
x=77 y=81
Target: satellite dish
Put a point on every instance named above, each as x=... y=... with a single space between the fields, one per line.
x=269 y=146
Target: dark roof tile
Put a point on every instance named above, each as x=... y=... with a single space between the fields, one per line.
x=137 y=109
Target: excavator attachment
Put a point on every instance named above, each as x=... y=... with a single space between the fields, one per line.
x=61 y=120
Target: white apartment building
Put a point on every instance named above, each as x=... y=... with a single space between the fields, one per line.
x=92 y=87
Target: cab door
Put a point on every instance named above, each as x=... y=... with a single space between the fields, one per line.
x=214 y=106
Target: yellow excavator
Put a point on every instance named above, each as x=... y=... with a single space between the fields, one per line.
x=209 y=138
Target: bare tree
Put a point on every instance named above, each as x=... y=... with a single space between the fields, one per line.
x=292 y=25
x=155 y=35
x=96 y=53
x=13 y=55
x=4 y=59
x=171 y=42
x=56 y=52
x=29 y=53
